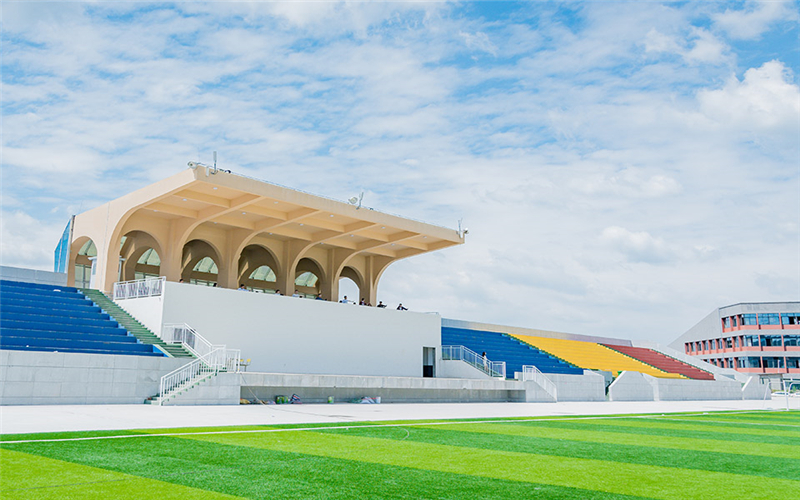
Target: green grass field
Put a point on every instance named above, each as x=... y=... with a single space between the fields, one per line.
x=676 y=456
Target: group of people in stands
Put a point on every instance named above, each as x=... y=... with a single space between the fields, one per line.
x=345 y=300
x=363 y=302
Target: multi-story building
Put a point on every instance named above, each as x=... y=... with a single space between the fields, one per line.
x=760 y=337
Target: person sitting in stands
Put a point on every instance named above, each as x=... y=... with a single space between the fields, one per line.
x=381 y=304
x=296 y=294
x=242 y=288
x=319 y=296
x=278 y=292
x=344 y=300
x=363 y=302
x=401 y=308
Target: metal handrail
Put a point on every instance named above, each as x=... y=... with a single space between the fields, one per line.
x=211 y=359
x=191 y=373
x=181 y=333
x=148 y=287
x=462 y=353
x=530 y=372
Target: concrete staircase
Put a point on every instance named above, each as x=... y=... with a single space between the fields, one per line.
x=128 y=322
x=178 y=391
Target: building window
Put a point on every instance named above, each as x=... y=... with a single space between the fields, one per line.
x=769 y=319
x=729 y=343
x=735 y=321
x=773 y=362
x=751 y=340
x=791 y=340
x=792 y=362
x=736 y=342
x=753 y=362
x=705 y=345
x=726 y=322
x=790 y=319
x=749 y=320
x=771 y=341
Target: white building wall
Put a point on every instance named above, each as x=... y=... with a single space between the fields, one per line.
x=147 y=310
x=291 y=335
x=33 y=276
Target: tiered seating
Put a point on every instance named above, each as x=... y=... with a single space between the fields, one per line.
x=501 y=347
x=54 y=318
x=593 y=356
x=662 y=361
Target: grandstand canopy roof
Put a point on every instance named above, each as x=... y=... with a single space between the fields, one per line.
x=198 y=203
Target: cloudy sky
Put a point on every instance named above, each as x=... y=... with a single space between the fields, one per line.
x=623 y=167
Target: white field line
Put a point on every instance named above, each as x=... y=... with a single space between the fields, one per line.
x=371 y=426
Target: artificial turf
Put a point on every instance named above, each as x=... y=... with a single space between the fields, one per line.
x=676 y=456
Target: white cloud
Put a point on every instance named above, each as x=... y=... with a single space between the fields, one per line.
x=20 y=246
x=766 y=99
x=613 y=119
x=637 y=246
x=756 y=18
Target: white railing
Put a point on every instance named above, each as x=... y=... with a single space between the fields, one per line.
x=148 y=287
x=461 y=353
x=181 y=333
x=530 y=372
x=191 y=373
x=211 y=359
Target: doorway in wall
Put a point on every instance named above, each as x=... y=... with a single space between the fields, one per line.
x=428 y=361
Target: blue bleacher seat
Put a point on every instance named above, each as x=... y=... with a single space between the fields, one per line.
x=501 y=347
x=60 y=318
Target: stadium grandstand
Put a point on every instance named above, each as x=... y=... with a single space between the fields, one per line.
x=145 y=304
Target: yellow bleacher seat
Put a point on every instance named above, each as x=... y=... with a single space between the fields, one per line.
x=592 y=356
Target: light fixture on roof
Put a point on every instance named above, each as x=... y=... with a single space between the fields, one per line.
x=356 y=200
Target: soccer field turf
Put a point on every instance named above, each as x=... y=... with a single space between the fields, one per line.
x=751 y=455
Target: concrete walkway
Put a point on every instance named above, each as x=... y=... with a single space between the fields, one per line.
x=32 y=419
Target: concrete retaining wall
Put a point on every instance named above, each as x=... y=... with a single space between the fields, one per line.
x=317 y=388
x=48 y=378
x=587 y=387
x=630 y=386
x=665 y=389
x=754 y=388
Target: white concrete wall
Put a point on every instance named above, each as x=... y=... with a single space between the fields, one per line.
x=665 y=389
x=587 y=387
x=630 y=386
x=291 y=335
x=147 y=310
x=33 y=276
x=459 y=369
x=47 y=378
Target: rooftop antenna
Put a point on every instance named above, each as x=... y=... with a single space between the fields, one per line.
x=356 y=200
x=194 y=164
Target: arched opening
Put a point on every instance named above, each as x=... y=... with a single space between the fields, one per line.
x=83 y=264
x=350 y=285
x=349 y=289
x=148 y=265
x=258 y=269
x=200 y=264
x=263 y=279
x=139 y=255
x=308 y=278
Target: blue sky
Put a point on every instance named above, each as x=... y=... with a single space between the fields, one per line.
x=623 y=167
